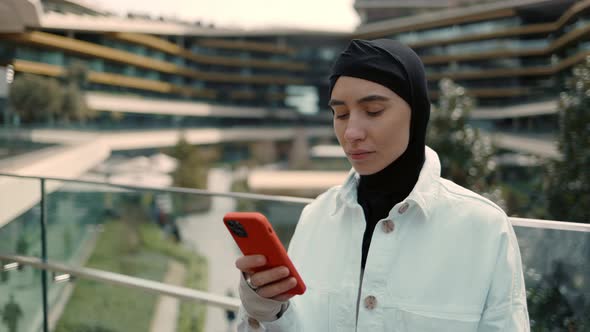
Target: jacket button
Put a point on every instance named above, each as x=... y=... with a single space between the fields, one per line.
x=253 y=323
x=403 y=208
x=370 y=302
x=387 y=226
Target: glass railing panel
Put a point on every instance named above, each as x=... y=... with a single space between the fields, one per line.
x=112 y=228
x=161 y=235
x=138 y=233
x=202 y=230
x=20 y=216
x=151 y=233
x=78 y=214
x=556 y=267
x=75 y=215
x=20 y=234
x=213 y=241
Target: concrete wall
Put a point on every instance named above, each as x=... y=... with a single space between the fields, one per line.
x=19 y=195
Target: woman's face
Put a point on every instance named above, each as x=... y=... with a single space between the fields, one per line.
x=371 y=122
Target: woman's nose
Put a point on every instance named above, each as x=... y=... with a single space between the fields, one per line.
x=354 y=131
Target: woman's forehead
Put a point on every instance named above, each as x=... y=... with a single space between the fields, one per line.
x=349 y=89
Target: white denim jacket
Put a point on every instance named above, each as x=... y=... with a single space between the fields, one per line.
x=444 y=259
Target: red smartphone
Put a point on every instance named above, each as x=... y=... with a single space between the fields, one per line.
x=254 y=236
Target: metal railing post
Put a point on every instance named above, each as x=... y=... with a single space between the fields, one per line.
x=44 y=256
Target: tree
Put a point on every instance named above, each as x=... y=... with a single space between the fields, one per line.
x=555 y=303
x=465 y=155
x=192 y=169
x=74 y=106
x=36 y=99
x=192 y=172
x=568 y=181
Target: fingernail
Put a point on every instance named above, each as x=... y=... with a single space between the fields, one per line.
x=285 y=271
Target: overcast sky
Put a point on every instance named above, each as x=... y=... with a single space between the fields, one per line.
x=336 y=15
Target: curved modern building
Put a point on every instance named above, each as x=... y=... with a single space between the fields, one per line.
x=511 y=56
x=371 y=11
x=143 y=65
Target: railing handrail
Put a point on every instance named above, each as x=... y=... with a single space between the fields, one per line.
x=179 y=190
x=521 y=222
x=550 y=224
x=183 y=293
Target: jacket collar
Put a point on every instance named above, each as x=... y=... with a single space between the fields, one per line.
x=422 y=195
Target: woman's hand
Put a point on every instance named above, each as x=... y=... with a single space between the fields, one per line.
x=272 y=283
x=263 y=293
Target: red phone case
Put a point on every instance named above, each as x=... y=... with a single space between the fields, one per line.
x=262 y=240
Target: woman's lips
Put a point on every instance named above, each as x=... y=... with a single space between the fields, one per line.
x=359 y=155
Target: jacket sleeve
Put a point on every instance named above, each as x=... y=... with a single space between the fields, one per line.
x=506 y=307
x=289 y=320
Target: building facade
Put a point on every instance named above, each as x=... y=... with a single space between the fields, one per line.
x=371 y=11
x=143 y=66
x=512 y=56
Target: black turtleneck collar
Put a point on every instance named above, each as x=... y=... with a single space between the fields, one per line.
x=395 y=180
x=397 y=67
x=378 y=193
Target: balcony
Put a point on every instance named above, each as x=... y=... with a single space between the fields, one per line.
x=92 y=256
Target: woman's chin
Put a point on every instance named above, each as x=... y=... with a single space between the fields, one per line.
x=364 y=169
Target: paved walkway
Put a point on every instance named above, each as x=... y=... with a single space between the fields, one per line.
x=207 y=234
x=166 y=313
x=134 y=139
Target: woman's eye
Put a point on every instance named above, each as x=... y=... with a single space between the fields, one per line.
x=341 y=116
x=374 y=113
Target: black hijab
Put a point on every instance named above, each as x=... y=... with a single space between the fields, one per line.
x=397 y=67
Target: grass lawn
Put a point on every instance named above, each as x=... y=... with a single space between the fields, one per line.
x=137 y=249
x=192 y=314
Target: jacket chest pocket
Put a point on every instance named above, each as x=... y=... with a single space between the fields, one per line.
x=431 y=322
x=315 y=310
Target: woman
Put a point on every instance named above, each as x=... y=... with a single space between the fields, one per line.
x=396 y=247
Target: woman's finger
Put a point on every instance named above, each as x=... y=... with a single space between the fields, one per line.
x=247 y=264
x=283 y=297
x=269 y=276
x=277 y=288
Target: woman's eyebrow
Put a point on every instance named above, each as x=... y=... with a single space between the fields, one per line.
x=334 y=102
x=371 y=98
x=366 y=99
